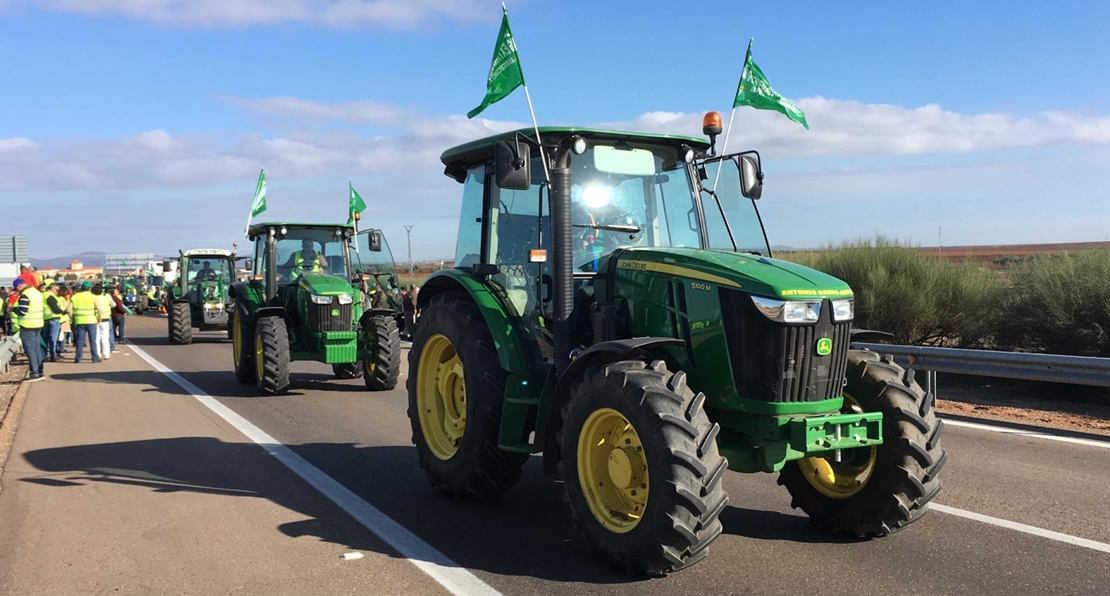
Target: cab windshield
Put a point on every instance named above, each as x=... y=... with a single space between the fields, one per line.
x=303 y=251
x=216 y=268
x=728 y=204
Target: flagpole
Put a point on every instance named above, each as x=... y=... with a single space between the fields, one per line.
x=724 y=145
x=543 y=159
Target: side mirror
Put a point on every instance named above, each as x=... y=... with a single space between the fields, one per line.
x=248 y=264
x=375 y=239
x=166 y=266
x=512 y=165
x=751 y=177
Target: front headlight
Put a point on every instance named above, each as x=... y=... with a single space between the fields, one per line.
x=321 y=299
x=346 y=299
x=844 y=310
x=788 y=311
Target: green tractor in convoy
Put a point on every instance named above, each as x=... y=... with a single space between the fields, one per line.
x=626 y=319
x=199 y=299
x=317 y=292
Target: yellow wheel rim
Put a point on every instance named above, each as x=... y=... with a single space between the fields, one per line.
x=236 y=339
x=846 y=478
x=259 y=368
x=612 y=470
x=441 y=397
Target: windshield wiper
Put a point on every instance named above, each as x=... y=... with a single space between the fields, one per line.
x=611 y=228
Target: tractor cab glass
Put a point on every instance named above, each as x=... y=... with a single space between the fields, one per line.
x=728 y=204
x=302 y=251
x=377 y=270
x=214 y=269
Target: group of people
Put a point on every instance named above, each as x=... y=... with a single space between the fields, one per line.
x=50 y=316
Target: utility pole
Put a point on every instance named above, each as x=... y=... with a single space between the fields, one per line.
x=940 y=243
x=408 y=232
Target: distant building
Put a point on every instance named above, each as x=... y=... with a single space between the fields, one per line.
x=75 y=271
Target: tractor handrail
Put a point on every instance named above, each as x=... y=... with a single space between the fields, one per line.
x=1053 y=368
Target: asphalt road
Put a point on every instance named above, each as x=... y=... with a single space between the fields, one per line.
x=120 y=479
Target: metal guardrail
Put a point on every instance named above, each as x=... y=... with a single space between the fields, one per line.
x=9 y=347
x=1054 y=368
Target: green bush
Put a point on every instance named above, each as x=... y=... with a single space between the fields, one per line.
x=918 y=298
x=1059 y=304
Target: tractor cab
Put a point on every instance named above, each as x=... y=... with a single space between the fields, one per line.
x=199 y=296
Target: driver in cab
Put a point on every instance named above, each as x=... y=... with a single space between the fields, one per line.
x=306 y=260
x=206 y=272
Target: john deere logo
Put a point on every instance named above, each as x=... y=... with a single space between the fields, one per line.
x=335 y=313
x=824 y=346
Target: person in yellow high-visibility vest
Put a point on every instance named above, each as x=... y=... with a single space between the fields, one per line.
x=306 y=260
x=85 y=321
x=28 y=312
x=103 y=303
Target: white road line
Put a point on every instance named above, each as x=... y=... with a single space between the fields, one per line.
x=448 y=573
x=1027 y=433
x=994 y=521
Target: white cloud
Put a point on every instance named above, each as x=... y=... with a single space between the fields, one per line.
x=397 y=14
x=358 y=112
x=850 y=128
x=14 y=144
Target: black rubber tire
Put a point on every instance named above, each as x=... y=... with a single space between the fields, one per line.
x=386 y=369
x=274 y=379
x=347 y=370
x=907 y=463
x=181 y=324
x=685 y=497
x=478 y=470
x=244 y=369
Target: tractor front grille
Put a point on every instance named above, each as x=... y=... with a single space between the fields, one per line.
x=330 y=317
x=779 y=363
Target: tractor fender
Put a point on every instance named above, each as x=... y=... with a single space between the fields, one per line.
x=513 y=349
x=605 y=352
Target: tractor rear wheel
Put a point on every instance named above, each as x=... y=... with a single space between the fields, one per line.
x=640 y=467
x=181 y=324
x=347 y=370
x=874 y=491
x=241 y=353
x=382 y=371
x=271 y=355
x=456 y=390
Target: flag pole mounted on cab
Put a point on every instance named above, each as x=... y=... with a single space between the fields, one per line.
x=754 y=90
x=505 y=75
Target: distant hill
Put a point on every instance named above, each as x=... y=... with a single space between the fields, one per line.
x=88 y=259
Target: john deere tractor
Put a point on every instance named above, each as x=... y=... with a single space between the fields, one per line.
x=625 y=318
x=198 y=299
x=318 y=292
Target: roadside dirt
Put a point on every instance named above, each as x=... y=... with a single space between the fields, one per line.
x=1039 y=404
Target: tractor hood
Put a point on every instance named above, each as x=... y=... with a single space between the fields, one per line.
x=322 y=284
x=754 y=274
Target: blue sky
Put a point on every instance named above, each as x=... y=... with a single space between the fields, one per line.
x=141 y=124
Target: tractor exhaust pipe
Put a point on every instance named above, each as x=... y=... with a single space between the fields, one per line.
x=561 y=244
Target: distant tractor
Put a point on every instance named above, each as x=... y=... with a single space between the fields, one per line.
x=198 y=299
x=627 y=320
x=317 y=292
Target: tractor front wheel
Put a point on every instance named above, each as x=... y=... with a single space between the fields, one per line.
x=241 y=353
x=271 y=356
x=456 y=390
x=381 y=372
x=874 y=491
x=641 y=468
x=181 y=324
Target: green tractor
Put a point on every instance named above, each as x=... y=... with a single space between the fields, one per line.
x=627 y=320
x=199 y=299
x=318 y=292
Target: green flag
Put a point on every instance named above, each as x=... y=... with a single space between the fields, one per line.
x=754 y=90
x=505 y=73
x=259 y=204
x=357 y=205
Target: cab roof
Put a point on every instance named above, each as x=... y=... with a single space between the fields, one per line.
x=257 y=229
x=480 y=151
x=207 y=252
